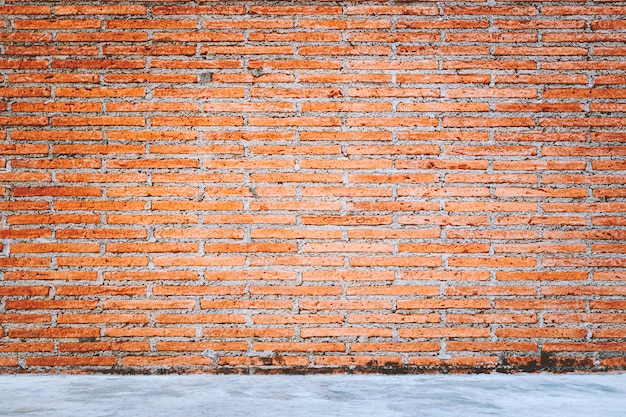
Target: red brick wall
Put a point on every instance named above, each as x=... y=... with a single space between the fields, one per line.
x=237 y=186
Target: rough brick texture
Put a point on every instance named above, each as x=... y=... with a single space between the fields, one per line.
x=312 y=187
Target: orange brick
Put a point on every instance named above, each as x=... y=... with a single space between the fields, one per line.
x=324 y=188
x=107 y=361
x=395 y=347
x=166 y=361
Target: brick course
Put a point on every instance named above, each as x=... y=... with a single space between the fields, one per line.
x=312 y=187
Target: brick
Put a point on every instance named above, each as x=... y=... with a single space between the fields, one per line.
x=100 y=92
x=244 y=50
x=99 y=10
x=300 y=187
x=492 y=92
x=25 y=318
x=393 y=318
x=437 y=304
x=178 y=64
x=295 y=10
x=150 y=276
x=583 y=347
x=540 y=276
x=157 y=50
x=456 y=361
x=67 y=361
x=488 y=122
x=491 y=318
x=343 y=50
x=443 y=24
x=151 y=247
x=430 y=261
x=99 y=290
x=333 y=24
x=200 y=318
x=102 y=318
x=98 y=121
x=351 y=361
x=548 y=333
x=298 y=347
x=25 y=92
x=540 y=24
x=26 y=262
x=23 y=205
x=45 y=333
x=8 y=362
x=545 y=50
x=102 y=37
x=249 y=275
x=287 y=290
x=103 y=346
x=442 y=50
x=489 y=64
x=435 y=248
x=392 y=10
x=99 y=63
x=57 y=24
x=150 y=24
x=321 y=305
x=26 y=347
x=53 y=247
x=246 y=304
x=55 y=135
x=52 y=50
x=147 y=305
x=279 y=361
x=193 y=10
x=491 y=207
x=491 y=346
x=482 y=10
x=491 y=37
x=57 y=107
x=395 y=347
x=295 y=37
x=166 y=361
x=25 y=10
x=50 y=275
x=24 y=291
x=345 y=332
x=102 y=261
x=393 y=92
x=198 y=290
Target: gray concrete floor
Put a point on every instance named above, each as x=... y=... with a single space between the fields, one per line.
x=520 y=395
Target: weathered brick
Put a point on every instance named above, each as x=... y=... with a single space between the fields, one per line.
x=295 y=187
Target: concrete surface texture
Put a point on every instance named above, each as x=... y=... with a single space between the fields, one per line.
x=546 y=395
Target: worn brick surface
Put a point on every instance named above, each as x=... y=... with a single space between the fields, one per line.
x=312 y=186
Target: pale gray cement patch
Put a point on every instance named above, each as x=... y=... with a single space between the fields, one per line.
x=520 y=395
